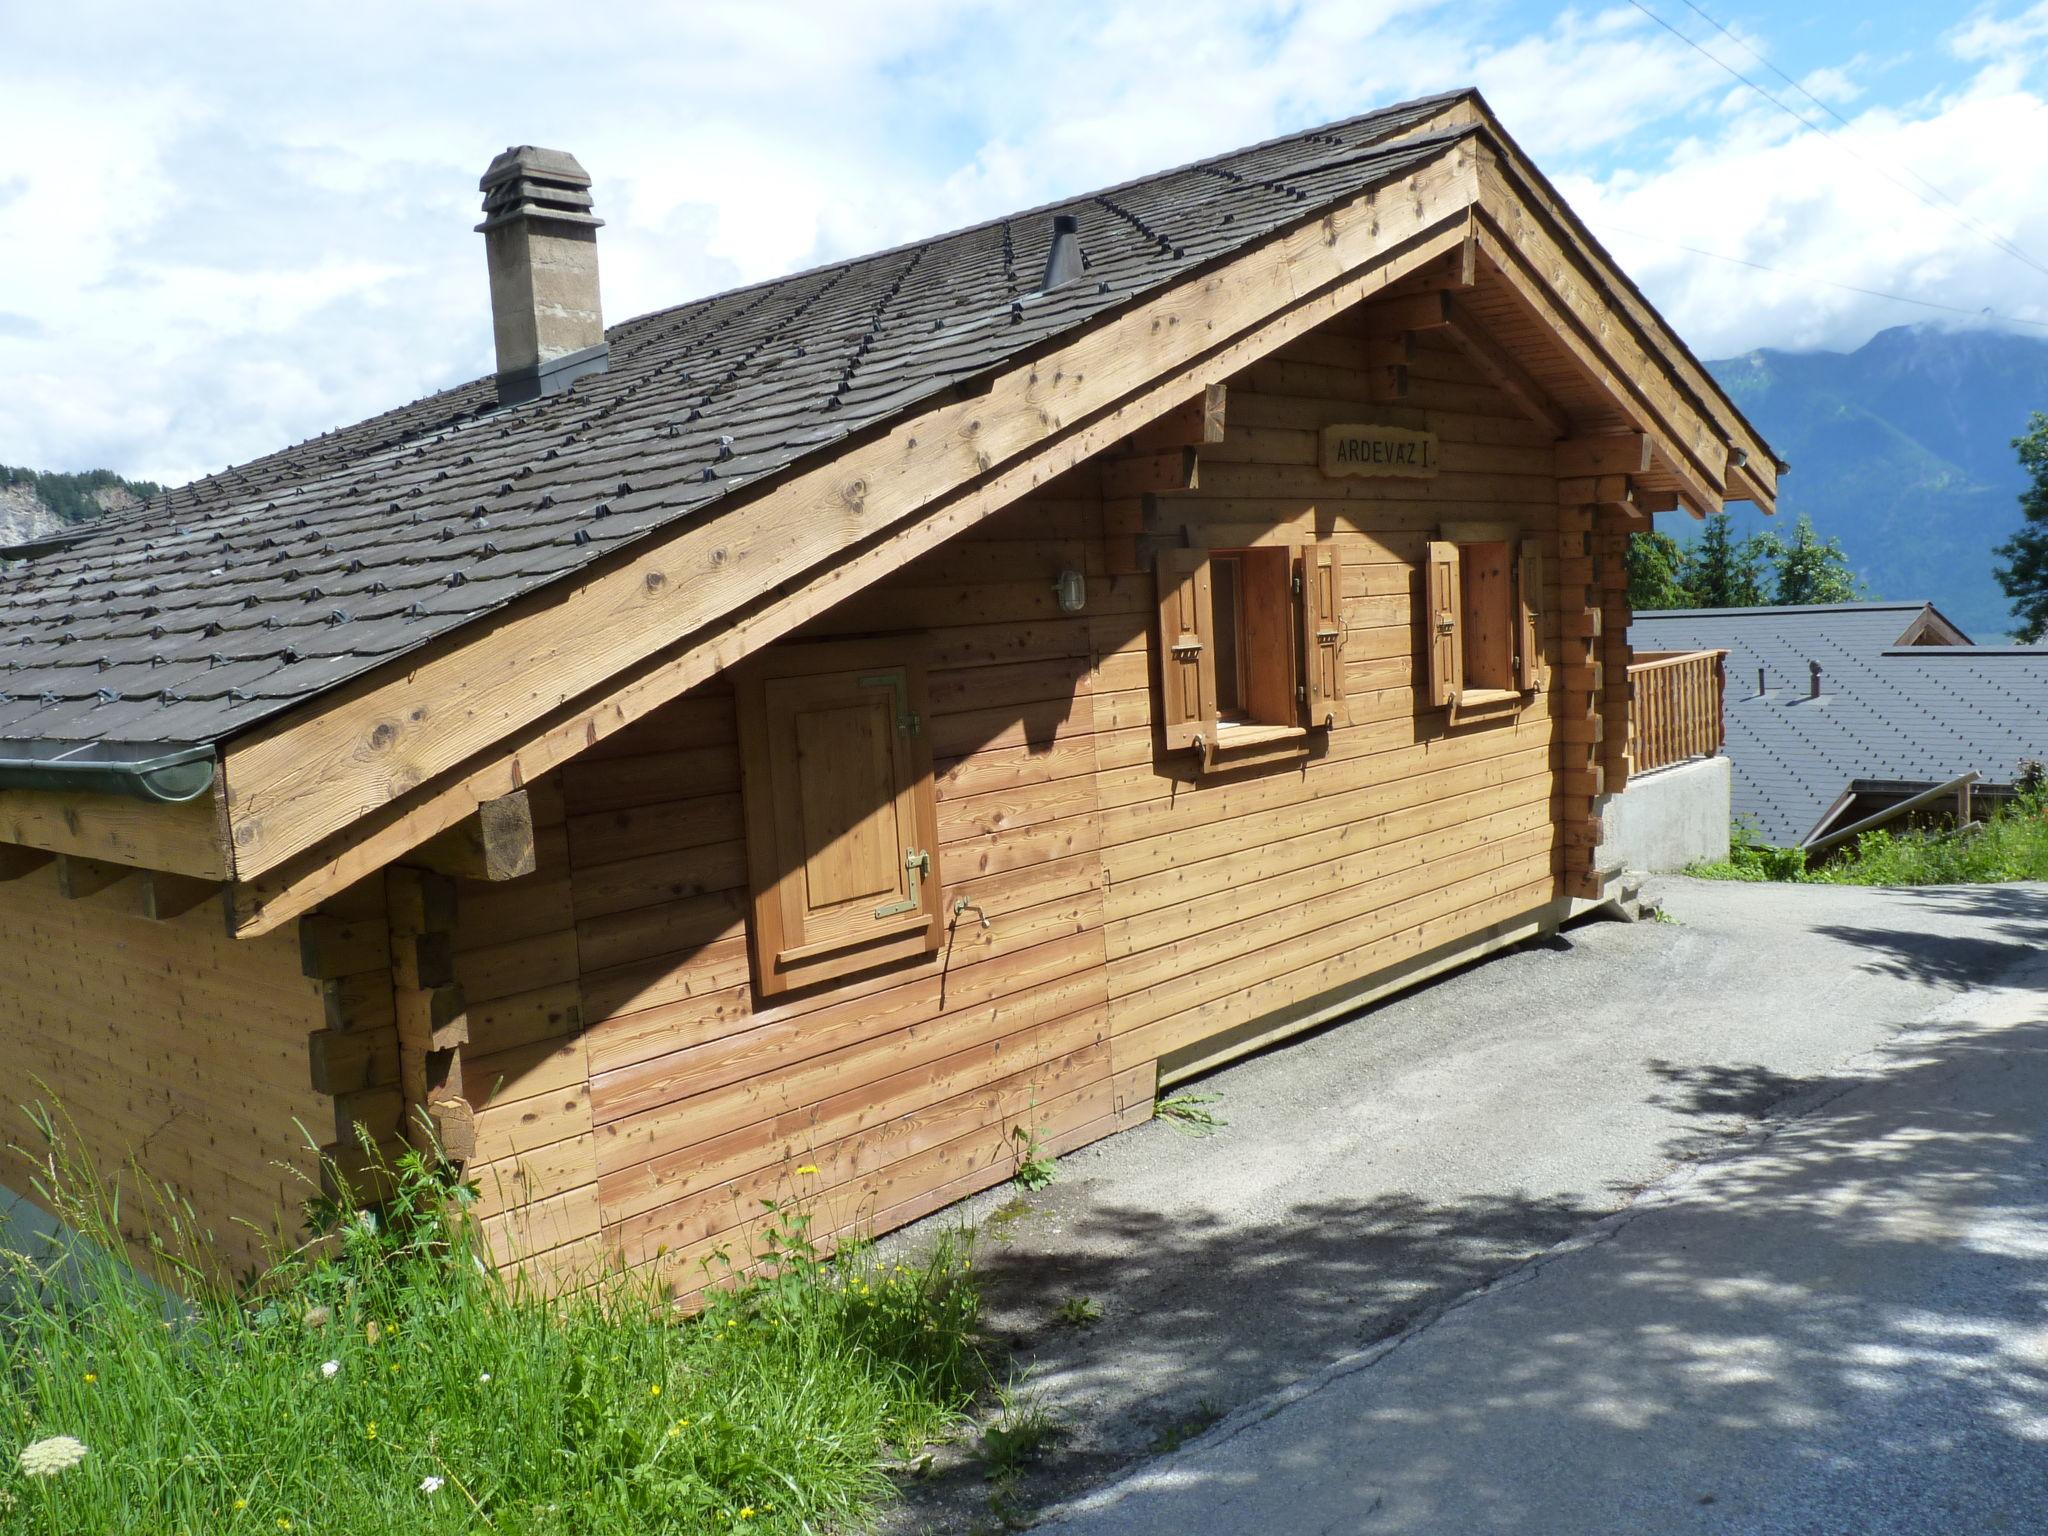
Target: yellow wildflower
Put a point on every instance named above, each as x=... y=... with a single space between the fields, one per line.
x=746 y=1511
x=370 y=1430
x=241 y=1503
x=655 y=1390
x=91 y=1377
x=808 y=1168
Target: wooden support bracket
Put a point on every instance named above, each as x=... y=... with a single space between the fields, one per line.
x=1616 y=453
x=1173 y=469
x=1192 y=424
x=494 y=843
x=1409 y=312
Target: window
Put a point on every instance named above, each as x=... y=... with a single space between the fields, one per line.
x=1251 y=644
x=842 y=828
x=1484 y=589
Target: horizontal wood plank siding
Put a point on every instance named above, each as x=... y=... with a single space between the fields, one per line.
x=1239 y=894
x=168 y=1042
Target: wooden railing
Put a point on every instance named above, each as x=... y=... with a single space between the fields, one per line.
x=1674 y=708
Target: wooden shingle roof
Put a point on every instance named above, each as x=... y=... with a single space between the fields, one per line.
x=224 y=602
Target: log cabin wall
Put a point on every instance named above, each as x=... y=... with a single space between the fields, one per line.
x=1239 y=901
x=636 y=1089
x=901 y=1087
x=167 y=1041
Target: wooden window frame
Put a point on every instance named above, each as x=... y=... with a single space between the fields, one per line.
x=786 y=955
x=1286 y=609
x=1518 y=674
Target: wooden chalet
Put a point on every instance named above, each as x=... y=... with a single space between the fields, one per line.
x=859 y=722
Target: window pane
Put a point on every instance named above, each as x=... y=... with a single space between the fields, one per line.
x=1227 y=591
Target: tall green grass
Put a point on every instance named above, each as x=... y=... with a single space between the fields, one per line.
x=386 y=1380
x=2010 y=844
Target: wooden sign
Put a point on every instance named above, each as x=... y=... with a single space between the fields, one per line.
x=1375 y=450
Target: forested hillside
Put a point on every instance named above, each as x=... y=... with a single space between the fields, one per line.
x=1902 y=450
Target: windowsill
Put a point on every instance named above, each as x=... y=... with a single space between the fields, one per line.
x=1250 y=734
x=1488 y=698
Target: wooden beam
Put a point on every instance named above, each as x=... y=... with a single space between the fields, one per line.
x=1616 y=453
x=1428 y=311
x=495 y=843
x=319 y=769
x=1147 y=474
x=78 y=878
x=16 y=862
x=1195 y=423
x=1628 y=390
x=187 y=839
x=429 y=801
x=166 y=896
x=1506 y=374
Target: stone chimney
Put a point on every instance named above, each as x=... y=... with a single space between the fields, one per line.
x=540 y=239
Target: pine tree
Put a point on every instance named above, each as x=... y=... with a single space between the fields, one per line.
x=2022 y=567
x=1655 y=563
x=1720 y=573
x=1814 y=570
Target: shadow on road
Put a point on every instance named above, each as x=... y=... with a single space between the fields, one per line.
x=1880 y=1266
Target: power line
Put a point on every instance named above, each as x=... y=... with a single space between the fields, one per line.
x=1959 y=219
x=1831 y=112
x=1827 y=282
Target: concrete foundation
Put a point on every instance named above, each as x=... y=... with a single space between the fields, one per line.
x=1668 y=819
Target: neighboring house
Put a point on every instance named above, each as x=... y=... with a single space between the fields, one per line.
x=1836 y=711
x=868 y=722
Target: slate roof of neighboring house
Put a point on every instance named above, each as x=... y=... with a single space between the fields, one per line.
x=226 y=601
x=1918 y=713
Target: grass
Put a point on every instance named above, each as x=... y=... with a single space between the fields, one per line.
x=2010 y=844
x=1078 y=1312
x=385 y=1380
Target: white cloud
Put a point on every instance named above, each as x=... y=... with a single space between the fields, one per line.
x=226 y=229
x=1987 y=37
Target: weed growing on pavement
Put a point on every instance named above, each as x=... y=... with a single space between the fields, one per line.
x=1191 y=1112
x=1078 y=1312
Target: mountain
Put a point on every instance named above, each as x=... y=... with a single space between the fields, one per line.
x=36 y=503
x=1902 y=449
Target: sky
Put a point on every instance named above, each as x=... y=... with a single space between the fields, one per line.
x=226 y=228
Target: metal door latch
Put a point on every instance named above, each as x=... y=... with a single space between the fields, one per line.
x=918 y=865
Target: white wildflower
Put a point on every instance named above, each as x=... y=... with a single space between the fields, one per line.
x=485 y=1378
x=46 y=1458
x=329 y=1369
x=367 y=1220
x=431 y=1484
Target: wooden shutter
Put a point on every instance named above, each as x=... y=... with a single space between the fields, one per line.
x=1322 y=633
x=1529 y=634
x=1187 y=656
x=1441 y=612
x=842 y=827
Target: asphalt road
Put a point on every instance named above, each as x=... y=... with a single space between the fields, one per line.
x=1500 y=1254
x=1842 y=1327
